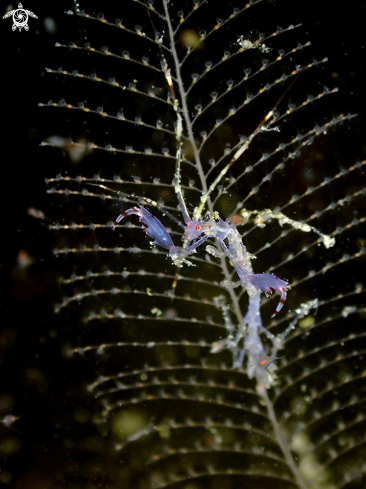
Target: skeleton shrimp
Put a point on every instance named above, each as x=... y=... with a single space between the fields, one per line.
x=221 y=230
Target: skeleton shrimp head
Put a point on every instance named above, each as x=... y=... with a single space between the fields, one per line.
x=268 y=284
x=192 y=230
x=152 y=226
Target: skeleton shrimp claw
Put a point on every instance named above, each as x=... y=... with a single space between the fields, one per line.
x=152 y=226
x=268 y=283
x=156 y=230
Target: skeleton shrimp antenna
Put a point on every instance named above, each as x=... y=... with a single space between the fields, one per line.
x=179 y=127
x=198 y=210
x=178 y=136
x=146 y=200
x=177 y=186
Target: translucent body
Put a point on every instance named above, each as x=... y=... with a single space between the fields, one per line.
x=229 y=239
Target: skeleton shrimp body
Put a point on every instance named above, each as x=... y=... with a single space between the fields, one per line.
x=240 y=260
x=222 y=231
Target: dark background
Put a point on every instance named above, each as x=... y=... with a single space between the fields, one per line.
x=37 y=384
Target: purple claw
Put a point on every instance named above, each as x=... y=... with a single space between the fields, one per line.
x=268 y=283
x=152 y=226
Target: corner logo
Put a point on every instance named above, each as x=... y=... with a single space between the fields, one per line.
x=20 y=17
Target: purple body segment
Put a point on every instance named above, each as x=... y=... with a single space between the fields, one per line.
x=153 y=227
x=269 y=283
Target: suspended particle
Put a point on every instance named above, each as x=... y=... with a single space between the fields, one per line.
x=50 y=25
x=24 y=260
x=236 y=219
x=36 y=213
x=189 y=38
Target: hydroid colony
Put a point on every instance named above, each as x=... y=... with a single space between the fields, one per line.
x=185 y=110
